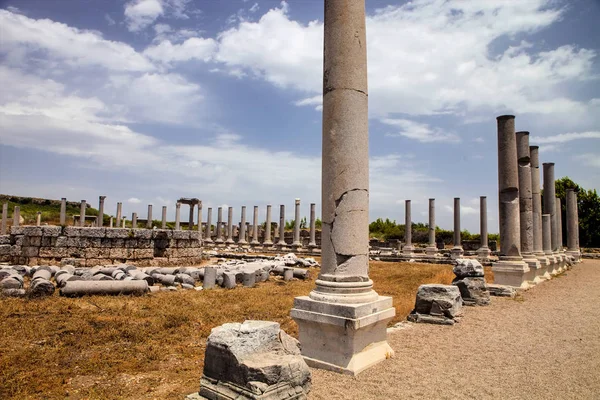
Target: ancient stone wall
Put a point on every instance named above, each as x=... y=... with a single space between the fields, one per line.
x=38 y=245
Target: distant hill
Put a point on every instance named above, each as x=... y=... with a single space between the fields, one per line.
x=50 y=209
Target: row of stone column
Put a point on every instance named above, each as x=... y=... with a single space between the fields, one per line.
x=224 y=230
x=457 y=250
x=530 y=231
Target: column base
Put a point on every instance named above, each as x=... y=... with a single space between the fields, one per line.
x=511 y=273
x=545 y=263
x=483 y=253
x=255 y=243
x=431 y=251
x=268 y=243
x=560 y=263
x=408 y=251
x=534 y=265
x=576 y=254
x=456 y=252
x=229 y=241
x=344 y=338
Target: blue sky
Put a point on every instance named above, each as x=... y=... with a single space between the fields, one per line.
x=146 y=101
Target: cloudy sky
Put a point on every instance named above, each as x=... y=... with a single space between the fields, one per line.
x=146 y=101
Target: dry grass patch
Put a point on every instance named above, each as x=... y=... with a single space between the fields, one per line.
x=152 y=346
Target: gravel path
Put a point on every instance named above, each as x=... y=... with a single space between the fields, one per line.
x=543 y=345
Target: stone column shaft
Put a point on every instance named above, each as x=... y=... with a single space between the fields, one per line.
x=457 y=249
x=164 y=218
x=510 y=269
x=550 y=201
x=82 y=213
x=38 y=219
x=17 y=216
x=229 y=226
x=536 y=201
x=296 y=242
x=547 y=234
x=219 y=227
x=177 y=216
x=111 y=222
x=63 y=211
x=100 y=221
x=483 y=253
x=191 y=218
x=200 y=216
x=149 y=220
x=343 y=287
x=207 y=234
x=268 y=241
x=134 y=220
x=559 y=230
x=242 y=237
x=312 y=242
x=281 y=226
x=432 y=223
x=4 y=219
x=408 y=247
x=572 y=220
x=119 y=213
x=255 y=227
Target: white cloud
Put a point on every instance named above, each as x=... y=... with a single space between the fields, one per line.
x=419 y=131
x=193 y=48
x=74 y=47
x=464 y=210
x=254 y=8
x=565 y=137
x=139 y=14
x=109 y=20
x=589 y=159
x=134 y=200
x=316 y=101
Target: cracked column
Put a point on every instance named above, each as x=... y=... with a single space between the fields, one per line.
x=163 y=224
x=242 y=237
x=149 y=219
x=177 y=216
x=510 y=268
x=63 y=211
x=457 y=251
x=267 y=241
x=297 y=242
x=526 y=207
x=100 y=221
x=255 y=241
x=82 y=213
x=313 y=230
x=572 y=225
x=207 y=232
x=119 y=214
x=431 y=249
x=229 y=226
x=342 y=323
x=133 y=220
x=536 y=207
x=549 y=207
x=219 y=227
x=281 y=242
x=4 y=219
x=483 y=253
x=408 y=249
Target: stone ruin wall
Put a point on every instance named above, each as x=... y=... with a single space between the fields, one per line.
x=87 y=247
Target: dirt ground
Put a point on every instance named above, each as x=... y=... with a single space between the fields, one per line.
x=545 y=344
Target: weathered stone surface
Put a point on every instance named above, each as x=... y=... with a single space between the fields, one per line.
x=82 y=288
x=255 y=360
x=473 y=291
x=465 y=267
x=41 y=287
x=501 y=290
x=438 y=300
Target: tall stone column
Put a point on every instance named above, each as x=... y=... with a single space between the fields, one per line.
x=133 y=220
x=559 y=231
x=177 y=216
x=191 y=218
x=281 y=242
x=111 y=222
x=119 y=213
x=457 y=251
x=219 y=239
x=483 y=253
x=547 y=243
x=163 y=224
x=242 y=238
x=123 y=224
x=255 y=241
x=431 y=249
x=4 y=219
x=526 y=207
x=82 y=208
x=207 y=232
x=63 y=211
x=229 y=226
x=408 y=249
x=536 y=206
x=549 y=207
x=313 y=242
x=149 y=220
x=510 y=268
x=38 y=219
x=297 y=242
x=100 y=221
x=268 y=241
x=572 y=225
x=17 y=216
x=200 y=216
x=342 y=323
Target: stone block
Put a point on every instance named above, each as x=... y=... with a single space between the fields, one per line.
x=466 y=267
x=145 y=244
x=143 y=253
x=18 y=240
x=120 y=253
x=15 y=251
x=162 y=234
x=183 y=243
x=72 y=231
x=441 y=301
x=75 y=252
x=131 y=243
x=62 y=241
x=189 y=252
x=501 y=290
x=51 y=231
x=142 y=233
x=4 y=239
x=161 y=243
x=30 y=251
x=17 y=230
x=195 y=235
x=119 y=233
x=35 y=241
x=473 y=291
x=91 y=242
x=5 y=249
x=53 y=252
x=93 y=232
x=32 y=230
x=117 y=243
x=180 y=235
x=96 y=252
x=74 y=241
x=48 y=241
x=255 y=360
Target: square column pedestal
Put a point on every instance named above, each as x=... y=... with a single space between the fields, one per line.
x=345 y=338
x=511 y=273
